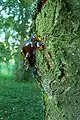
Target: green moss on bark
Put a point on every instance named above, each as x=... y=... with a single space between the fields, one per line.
x=59 y=64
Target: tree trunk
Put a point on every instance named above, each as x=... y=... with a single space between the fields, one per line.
x=20 y=72
x=59 y=64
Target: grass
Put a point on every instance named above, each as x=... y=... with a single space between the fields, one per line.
x=20 y=101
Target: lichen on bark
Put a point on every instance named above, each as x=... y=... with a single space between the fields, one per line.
x=59 y=63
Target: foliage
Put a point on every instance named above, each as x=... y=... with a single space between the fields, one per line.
x=15 y=25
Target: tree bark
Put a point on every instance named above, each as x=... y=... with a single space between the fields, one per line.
x=20 y=72
x=59 y=64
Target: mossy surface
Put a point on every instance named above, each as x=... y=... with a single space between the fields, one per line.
x=59 y=63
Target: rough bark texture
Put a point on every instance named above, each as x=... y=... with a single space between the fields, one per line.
x=59 y=64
